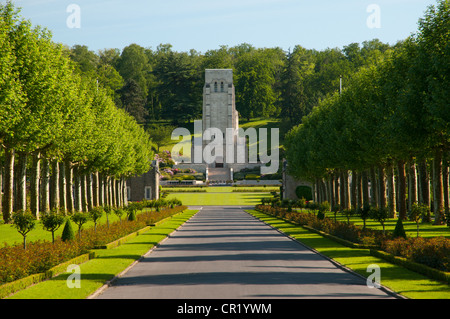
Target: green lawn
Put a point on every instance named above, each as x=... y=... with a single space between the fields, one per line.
x=256 y=123
x=407 y=283
x=107 y=264
x=224 y=189
x=219 y=198
x=10 y=235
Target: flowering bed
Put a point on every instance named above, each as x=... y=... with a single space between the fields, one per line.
x=432 y=252
x=40 y=256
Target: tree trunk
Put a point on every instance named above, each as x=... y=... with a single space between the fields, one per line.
x=113 y=191
x=401 y=189
x=373 y=188
x=353 y=190
x=347 y=190
x=101 y=190
x=34 y=185
x=45 y=186
x=359 y=191
x=8 y=185
x=424 y=186
x=365 y=188
x=438 y=197
x=77 y=189
x=445 y=185
x=62 y=187
x=95 y=199
x=83 y=190
x=391 y=190
x=424 y=182
x=89 y=194
x=342 y=190
x=119 y=192
x=69 y=185
x=54 y=186
x=106 y=190
x=337 y=201
x=125 y=192
x=412 y=183
x=381 y=187
x=20 y=200
x=331 y=190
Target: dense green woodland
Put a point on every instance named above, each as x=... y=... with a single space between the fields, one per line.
x=68 y=113
x=162 y=84
x=390 y=127
x=59 y=130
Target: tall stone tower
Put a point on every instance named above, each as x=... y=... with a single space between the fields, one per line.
x=219 y=107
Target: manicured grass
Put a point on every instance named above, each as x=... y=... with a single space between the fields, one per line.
x=10 y=235
x=219 y=198
x=396 y=278
x=255 y=123
x=224 y=189
x=107 y=264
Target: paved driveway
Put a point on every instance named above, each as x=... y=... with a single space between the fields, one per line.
x=223 y=252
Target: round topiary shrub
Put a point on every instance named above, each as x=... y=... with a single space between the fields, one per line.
x=68 y=233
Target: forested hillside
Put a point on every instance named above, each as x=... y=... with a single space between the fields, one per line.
x=160 y=83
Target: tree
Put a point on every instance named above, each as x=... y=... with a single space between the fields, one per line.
x=11 y=100
x=51 y=221
x=80 y=219
x=418 y=212
x=293 y=98
x=133 y=101
x=95 y=214
x=161 y=135
x=41 y=69
x=24 y=222
x=433 y=63
x=179 y=86
x=133 y=64
x=255 y=80
x=380 y=215
x=87 y=61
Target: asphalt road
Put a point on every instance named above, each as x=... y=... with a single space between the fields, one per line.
x=223 y=252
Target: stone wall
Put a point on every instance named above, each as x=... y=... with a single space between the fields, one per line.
x=143 y=187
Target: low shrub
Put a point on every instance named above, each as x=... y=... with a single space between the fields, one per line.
x=432 y=252
x=40 y=256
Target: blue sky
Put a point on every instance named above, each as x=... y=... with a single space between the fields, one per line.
x=207 y=24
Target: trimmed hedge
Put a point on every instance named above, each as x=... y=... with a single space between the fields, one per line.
x=349 y=232
x=433 y=253
x=42 y=256
x=12 y=287
x=419 y=268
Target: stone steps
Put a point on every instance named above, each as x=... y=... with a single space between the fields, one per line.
x=219 y=174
